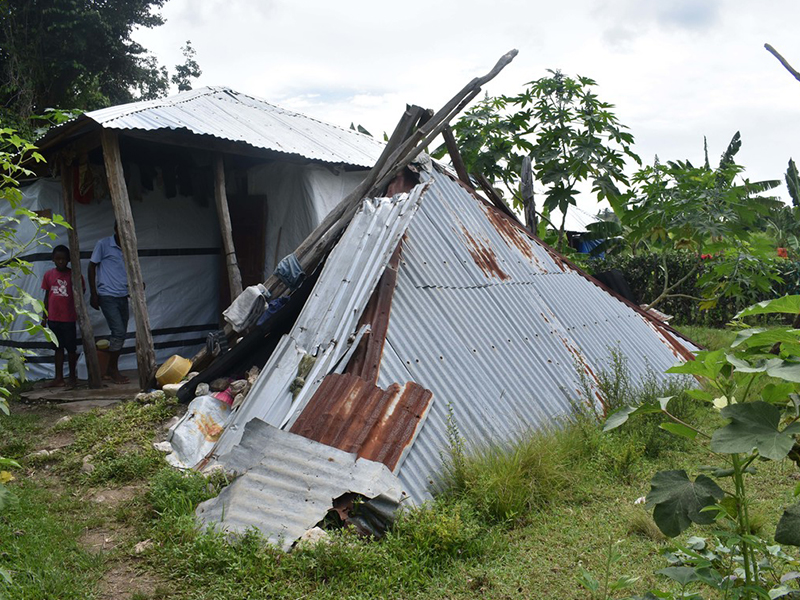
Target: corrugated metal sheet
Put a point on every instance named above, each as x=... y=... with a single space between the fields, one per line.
x=329 y=318
x=287 y=484
x=226 y=114
x=355 y=415
x=497 y=327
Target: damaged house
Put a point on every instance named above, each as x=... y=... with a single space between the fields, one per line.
x=415 y=309
x=211 y=188
x=435 y=310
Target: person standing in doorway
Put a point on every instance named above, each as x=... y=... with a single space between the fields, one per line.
x=108 y=283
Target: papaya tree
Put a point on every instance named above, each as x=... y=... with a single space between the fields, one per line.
x=572 y=137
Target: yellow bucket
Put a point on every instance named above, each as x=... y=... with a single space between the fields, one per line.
x=173 y=370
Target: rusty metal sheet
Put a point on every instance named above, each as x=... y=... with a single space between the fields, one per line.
x=354 y=415
x=366 y=360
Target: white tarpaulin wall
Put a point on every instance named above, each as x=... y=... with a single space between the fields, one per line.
x=289 y=220
x=179 y=250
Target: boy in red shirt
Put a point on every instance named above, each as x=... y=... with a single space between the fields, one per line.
x=59 y=304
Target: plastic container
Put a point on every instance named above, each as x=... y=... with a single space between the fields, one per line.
x=173 y=370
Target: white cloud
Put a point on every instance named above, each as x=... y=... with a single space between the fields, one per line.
x=676 y=70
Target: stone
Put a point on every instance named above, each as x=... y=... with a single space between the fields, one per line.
x=87 y=468
x=63 y=420
x=142 y=546
x=171 y=389
x=202 y=389
x=40 y=454
x=312 y=537
x=165 y=447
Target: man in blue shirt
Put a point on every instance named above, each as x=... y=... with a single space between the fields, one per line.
x=108 y=283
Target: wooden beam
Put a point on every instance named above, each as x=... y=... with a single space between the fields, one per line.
x=224 y=215
x=526 y=191
x=84 y=321
x=783 y=61
x=455 y=156
x=145 y=353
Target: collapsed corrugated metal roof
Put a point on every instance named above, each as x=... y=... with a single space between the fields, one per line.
x=484 y=322
x=286 y=484
x=496 y=325
x=226 y=114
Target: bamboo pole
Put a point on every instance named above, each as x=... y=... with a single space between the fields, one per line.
x=145 y=352
x=84 y=321
x=224 y=215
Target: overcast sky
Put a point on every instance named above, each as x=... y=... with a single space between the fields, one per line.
x=675 y=69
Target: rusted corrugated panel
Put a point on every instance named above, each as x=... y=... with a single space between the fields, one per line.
x=501 y=355
x=366 y=361
x=356 y=416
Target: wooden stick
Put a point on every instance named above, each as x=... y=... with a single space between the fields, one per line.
x=783 y=61
x=526 y=191
x=221 y=197
x=455 y=156
x=84 y=321
x=145 y=353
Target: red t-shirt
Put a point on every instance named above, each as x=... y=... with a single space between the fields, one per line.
x=60 y=302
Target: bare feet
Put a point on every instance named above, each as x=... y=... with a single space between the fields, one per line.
x=56 y=383
x=72 y=383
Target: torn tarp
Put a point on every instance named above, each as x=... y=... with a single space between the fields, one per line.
x=286 y=484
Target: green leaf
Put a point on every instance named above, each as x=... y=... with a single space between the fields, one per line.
x=786 y=370
x=754 y=425
x=683 y=575
x=777 y=392
x=788 y=530
x=680 y=430
x=785 y=304
x=678 y=502
x=620 y=416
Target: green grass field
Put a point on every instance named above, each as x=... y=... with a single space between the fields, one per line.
x=516 y=522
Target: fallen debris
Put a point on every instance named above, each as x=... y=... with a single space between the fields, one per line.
x=287 y=484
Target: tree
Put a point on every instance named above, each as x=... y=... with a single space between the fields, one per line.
x=78 y=54
x=570 y=134
x=706 y=211
x=188 y=70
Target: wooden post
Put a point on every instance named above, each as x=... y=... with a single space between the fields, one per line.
x=84 y=322
x=455 y=156
x=145 y=353
x=234 y=275
x=526 y=191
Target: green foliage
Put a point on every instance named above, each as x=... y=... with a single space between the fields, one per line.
x=701 y=211
x=79 y=54
x=570 y=134
x=644 y=273
x=188 y=70
x=758 y=421
x=793 y=183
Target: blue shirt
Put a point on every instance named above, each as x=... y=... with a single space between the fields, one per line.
x=112 y=280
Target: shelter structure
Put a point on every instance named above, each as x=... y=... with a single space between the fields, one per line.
x=436 y=314
x=210 y=188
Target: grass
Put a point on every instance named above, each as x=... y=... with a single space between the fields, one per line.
x=516 y=521
x=708 y=337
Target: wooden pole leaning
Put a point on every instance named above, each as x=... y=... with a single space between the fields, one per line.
x=224 y=215
x=145 y=352
x=84 y=321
